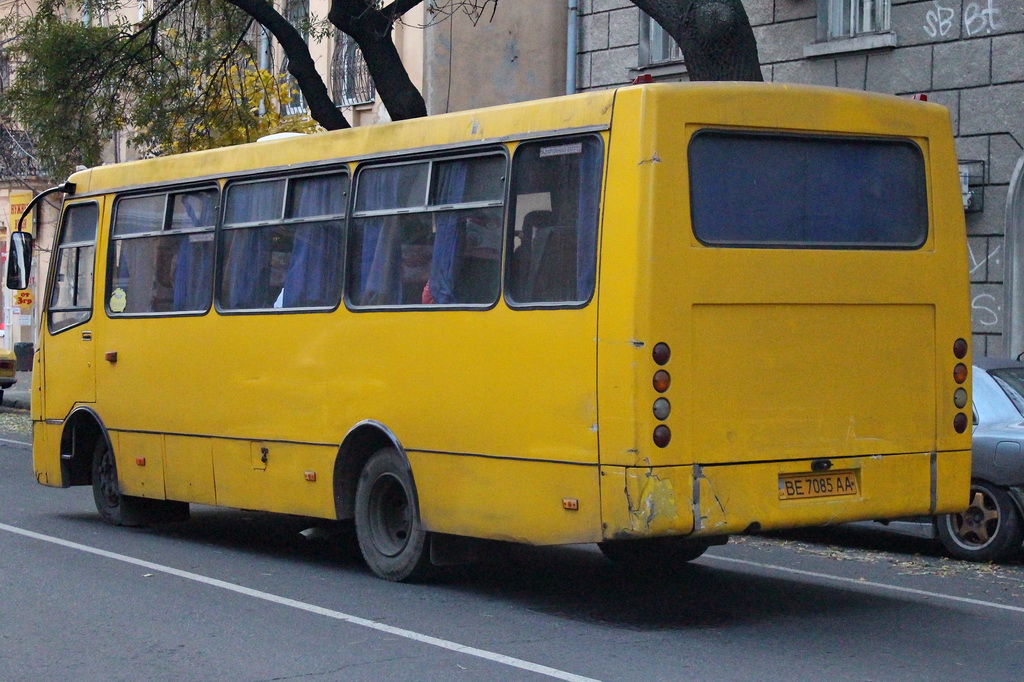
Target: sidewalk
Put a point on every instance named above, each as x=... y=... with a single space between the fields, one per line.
x=19 y=396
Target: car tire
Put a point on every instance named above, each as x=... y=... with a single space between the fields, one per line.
x=988 y=530
x=391 y=536
x=663 y=554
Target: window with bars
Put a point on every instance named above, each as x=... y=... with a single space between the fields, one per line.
x=350 y=77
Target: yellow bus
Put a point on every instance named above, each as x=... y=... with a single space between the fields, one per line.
x=647 y=318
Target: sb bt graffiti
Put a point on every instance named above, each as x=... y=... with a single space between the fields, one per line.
x=978 y=17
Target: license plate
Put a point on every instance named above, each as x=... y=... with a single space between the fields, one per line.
x=825 y=484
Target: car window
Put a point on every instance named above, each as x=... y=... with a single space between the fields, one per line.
x=1012 y=382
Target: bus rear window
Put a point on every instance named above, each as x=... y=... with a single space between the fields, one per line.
x=803 y=191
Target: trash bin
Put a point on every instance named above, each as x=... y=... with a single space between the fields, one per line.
x=23 y=355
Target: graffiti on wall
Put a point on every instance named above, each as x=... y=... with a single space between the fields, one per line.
x=985 y=311
x=979 y=17
x=938 y=21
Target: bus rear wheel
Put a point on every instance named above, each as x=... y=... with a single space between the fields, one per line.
x=391 y=536
x=988 y=530
x=654 y=553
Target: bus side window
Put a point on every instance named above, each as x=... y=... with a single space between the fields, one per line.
x=555 y=206
x=416 y=242
x=162 y=253
x=282 y=243
x=71 y=297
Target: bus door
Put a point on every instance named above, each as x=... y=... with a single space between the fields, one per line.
x=70 y=359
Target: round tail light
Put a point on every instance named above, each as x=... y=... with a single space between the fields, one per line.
x=662 y=381
x=661 y=353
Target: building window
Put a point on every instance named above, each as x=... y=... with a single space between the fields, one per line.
x=297 y=14
x=350 y=77
x=839 y=19
x=656 y=45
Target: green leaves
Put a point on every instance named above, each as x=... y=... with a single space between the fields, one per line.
x=186 y=77
x=58 y=96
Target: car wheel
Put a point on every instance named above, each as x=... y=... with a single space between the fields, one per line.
x=654 y=553
x=391 y=537
x=988 y=530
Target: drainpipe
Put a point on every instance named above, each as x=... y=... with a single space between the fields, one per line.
x=264 y=60
x=572 y=44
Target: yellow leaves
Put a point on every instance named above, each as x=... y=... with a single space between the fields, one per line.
x=239 y=104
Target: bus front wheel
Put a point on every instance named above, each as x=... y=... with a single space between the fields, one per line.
x=124 y=510
x=106 y=490
x=391 y=537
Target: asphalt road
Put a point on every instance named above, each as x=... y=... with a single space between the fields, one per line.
x=236 y=595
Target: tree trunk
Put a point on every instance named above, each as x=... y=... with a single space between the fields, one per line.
x=371 y=29
x=300 y=62
x=715 y=36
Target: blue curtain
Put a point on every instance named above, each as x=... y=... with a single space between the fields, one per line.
x=451 y=188
x=314 y=271
x=193 y=273
x=586 y=219
x=193 y=269
x=247 y=266
x=380 y=278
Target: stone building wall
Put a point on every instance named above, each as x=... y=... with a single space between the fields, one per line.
x=967 y=55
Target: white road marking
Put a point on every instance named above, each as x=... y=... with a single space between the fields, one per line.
x=310 y=608
x=865 y=583
x=8 y=441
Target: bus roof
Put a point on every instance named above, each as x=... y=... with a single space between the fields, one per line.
x=588 y=111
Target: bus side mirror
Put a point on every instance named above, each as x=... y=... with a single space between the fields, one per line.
x=19 y=260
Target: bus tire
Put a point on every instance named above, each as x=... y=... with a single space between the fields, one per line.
x=125 y=510
x=391 y=536
x=988 y=530
x=654 y=553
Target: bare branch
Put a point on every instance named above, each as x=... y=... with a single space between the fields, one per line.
x=300 y=62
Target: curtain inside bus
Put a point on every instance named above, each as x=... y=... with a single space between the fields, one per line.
x=380 y=279
x=451 y=187
x=314 y=271
x=249 y=250
x=193 y=267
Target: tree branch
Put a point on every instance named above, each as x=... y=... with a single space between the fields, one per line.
x=300 y=62
x=371 y=29
x=715 y=36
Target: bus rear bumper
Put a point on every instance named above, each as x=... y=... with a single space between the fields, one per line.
x=735 y=498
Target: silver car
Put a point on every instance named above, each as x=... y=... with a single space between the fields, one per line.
x=990 y=528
